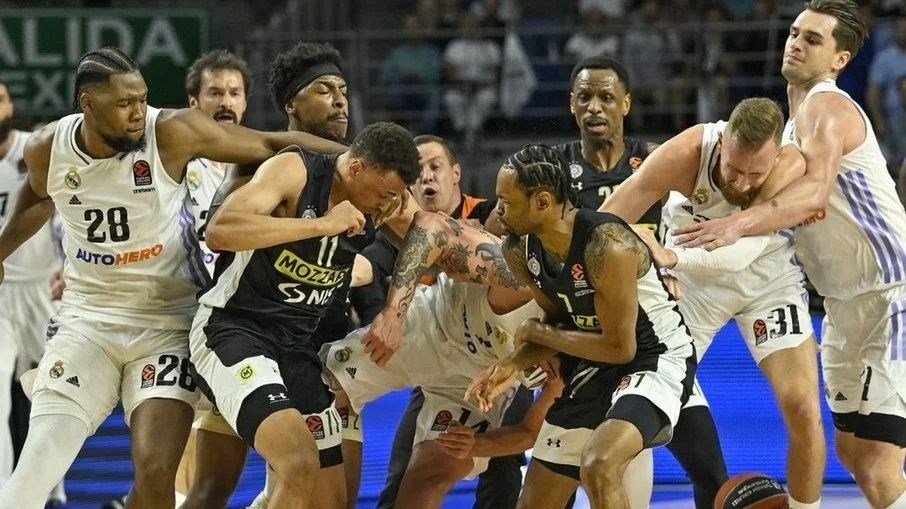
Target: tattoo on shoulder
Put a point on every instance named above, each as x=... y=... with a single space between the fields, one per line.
x=514 y=255
x=491 y=252
x=454 y=225
x=609 y=236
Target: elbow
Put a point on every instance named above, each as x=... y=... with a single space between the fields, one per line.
x=626 y=353
x=216 y=236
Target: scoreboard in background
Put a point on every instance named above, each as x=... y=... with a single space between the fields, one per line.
x=40 y=48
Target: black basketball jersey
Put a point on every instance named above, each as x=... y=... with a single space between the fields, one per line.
x=288 y=288
x=571 y=289
x=594 y=185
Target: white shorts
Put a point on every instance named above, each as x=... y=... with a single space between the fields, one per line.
x=773 y=317
x=95 y=364
x=424 y=360
x=863 y=354
x=27 y=308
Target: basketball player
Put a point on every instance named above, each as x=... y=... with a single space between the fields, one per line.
x=290 y=237
x=715 y=170
x=114 y=172
x=617 y=403
x=453 y=330
x=26 y=296
x=438 y=189
x=317 y=104
x=599 y=162
x=850 y=237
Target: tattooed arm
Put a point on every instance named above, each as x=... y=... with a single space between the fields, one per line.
x=464 y=252
x=615 y=259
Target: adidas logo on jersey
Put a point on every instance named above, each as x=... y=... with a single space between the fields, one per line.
x=352 y=372
x=74 y=201
x=74 y=380
x=839 y=397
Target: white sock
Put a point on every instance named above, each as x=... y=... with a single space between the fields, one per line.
x=795 y=504
x=52 y=445
x=899 y=503
x=263 y=498
x=638 y=480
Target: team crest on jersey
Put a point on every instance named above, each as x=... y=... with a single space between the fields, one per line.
x=149 y=373
x=342 y=355
x=72 y=179
x=316 y=426
x=56 y=371
x=533 y=266
x=575 y=170
x=141 y=173
x=635 y=162
x=760 y=329
x=309 y=213
x=700 y=196
x=193 y=180
x=442 y=421
x=501 y=335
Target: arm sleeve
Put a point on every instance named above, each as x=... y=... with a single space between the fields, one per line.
x=733 y=258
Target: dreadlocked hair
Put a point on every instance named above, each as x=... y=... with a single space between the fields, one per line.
x=541 y=168
x=97 y=66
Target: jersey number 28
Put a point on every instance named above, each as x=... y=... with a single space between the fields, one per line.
x=117 y=224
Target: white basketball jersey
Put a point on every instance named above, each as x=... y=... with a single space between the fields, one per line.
x=38 y=258
x=857 y=244
x=707 y=202
x=468 y=322
x=128 y=234
x=203 y=177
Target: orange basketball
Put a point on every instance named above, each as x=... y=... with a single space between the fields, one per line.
x=751 y=491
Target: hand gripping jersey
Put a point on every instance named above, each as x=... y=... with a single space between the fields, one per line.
x=132 y=257
x=288 y=287
x=857 y=244
x=36 y=260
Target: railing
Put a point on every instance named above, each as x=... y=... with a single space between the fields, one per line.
x=729 y=74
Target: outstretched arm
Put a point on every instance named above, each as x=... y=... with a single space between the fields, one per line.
x=464 y=252
x=464 y=442
x=825 y=130
x=188 y=134
x=33 y=205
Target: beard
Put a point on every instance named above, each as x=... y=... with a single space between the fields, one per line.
x=735 y=197
x=6 y=127
x=125 y=144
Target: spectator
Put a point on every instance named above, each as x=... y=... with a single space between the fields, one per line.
x=885 y=98
x=593 y=38
x=411 y=75
x=472 y=66
x=613 y=9
x=650 y=52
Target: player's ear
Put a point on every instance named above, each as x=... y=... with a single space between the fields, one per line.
x=627 y=104
x=86 y=102
x=572 y=107
x=543 y=200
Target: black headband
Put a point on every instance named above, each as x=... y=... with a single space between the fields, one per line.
x=313 y=73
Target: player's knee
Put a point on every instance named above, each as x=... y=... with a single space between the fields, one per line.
x=802 y=410
x=600 y=467
x=297 y=468
x=155 y=473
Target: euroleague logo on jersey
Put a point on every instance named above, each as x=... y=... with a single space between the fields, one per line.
x=578 y=274
x=316 y=426
x=141 y=173
x=442 y=421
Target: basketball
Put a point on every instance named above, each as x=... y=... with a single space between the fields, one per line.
x=751 y=491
